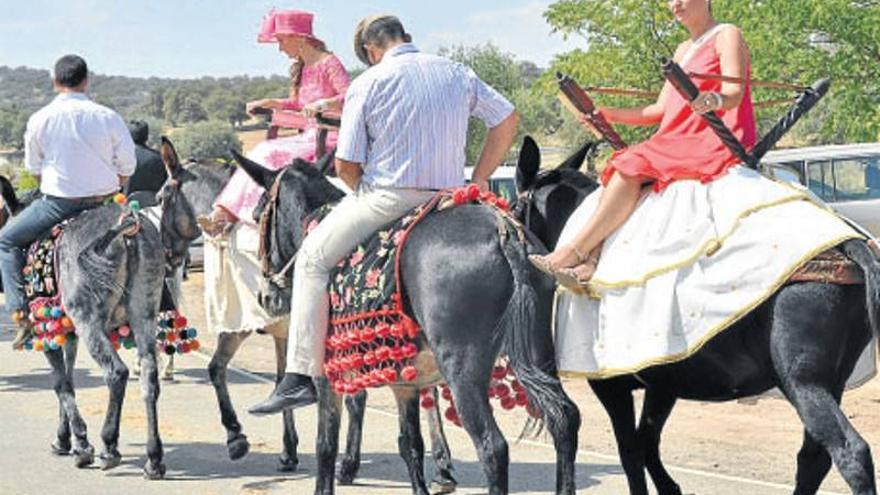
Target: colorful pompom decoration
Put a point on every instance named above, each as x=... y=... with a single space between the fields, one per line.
x=504 y=388
x=175 y=336
x=51 y=327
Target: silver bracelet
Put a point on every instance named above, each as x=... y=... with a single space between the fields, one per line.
x=719 y=100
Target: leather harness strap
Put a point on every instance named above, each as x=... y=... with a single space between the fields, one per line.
x=267 y=220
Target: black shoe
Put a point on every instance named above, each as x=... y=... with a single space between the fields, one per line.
x=23 y=333
x=294 y=391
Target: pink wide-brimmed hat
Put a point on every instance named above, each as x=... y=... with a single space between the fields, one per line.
x=293 y=22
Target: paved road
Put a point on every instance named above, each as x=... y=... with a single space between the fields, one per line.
x=195 y=448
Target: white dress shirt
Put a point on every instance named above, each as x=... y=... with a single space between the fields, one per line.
x=406 y=119
x=78 y=147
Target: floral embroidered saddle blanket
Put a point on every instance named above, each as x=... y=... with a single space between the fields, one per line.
x=371 y=341
x=51 y=325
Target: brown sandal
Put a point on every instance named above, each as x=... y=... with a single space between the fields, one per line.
x=577 y=278
x=541 y=262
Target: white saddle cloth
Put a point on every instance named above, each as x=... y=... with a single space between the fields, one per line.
x=658 y=296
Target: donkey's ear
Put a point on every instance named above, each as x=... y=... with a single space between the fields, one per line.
x=577 y=158
x=169 y=157
x=260 y=174
x=325 y=164
x=528 y=165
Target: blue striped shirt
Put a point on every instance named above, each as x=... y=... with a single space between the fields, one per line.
x=405 y=119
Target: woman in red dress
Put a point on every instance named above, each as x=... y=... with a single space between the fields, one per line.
x=683 y=148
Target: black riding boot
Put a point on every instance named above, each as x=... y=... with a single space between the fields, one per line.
x=293 y=391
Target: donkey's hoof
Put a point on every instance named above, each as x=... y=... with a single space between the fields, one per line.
x=347 y=470
x=167 y=377
x=238 y=446
x=154 y=470
x=60 y=447
x=109 y=460
x=286 y=464
x=443 y=482
x=83 y=457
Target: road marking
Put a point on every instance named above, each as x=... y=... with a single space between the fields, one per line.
x=581 y=452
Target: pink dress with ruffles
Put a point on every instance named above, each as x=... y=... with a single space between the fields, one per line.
x=325 y=79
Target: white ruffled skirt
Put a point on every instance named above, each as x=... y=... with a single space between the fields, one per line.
x=663 y=287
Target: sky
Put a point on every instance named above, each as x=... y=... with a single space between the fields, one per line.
x=194 y=38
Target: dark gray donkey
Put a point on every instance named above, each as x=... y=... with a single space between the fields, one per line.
x=200 y=183
x=112 y=265
x=474 y=294
x=805 y=340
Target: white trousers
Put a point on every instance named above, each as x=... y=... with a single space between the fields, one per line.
x=352 y=221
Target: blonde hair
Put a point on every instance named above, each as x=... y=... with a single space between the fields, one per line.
x=296 y=68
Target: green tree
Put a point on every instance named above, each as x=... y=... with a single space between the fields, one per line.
x=206 y=140
x=12 y=127
x=223 y=104
x=624 y=40
x=539 y=114
x=183 y=104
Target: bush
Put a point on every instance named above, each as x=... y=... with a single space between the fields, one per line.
x=206 y=140
x=24 y=182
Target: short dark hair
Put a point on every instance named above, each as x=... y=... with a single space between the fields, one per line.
x=140 y=131
x=71 y=71
x=379 y=30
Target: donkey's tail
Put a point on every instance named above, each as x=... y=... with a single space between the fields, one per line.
x=100 y=258
x=860 y=252
x=528 y=343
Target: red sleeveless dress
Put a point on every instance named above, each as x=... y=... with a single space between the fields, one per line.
x=685 y=147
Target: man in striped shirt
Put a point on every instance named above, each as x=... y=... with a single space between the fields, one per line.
x=404 y=127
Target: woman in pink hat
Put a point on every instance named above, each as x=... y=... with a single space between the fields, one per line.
x=319 y=85
x=232 y=269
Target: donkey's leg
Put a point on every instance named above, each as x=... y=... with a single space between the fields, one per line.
x=83 y=451
x=61 y=445
x=168 y=368
x=806 y=350
x=655 y=411
x=813 y=464
x=288 y=460
x=116 y=378
x=143 y=326
x=472 y=402
x=410 y=443
x=227 y=344
x=443 y=481
x=618 y=403
x=350 y=463
x=329 y=416
x=827 y=425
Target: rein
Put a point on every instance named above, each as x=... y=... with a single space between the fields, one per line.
x=268 y=218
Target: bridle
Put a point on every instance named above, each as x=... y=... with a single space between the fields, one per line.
x=268 y=219
x=522 y=209
x=174 y=243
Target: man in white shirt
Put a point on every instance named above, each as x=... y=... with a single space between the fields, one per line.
x=404 y=127
x=81 y=153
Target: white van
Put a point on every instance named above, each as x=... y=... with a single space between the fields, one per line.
x=847 y=177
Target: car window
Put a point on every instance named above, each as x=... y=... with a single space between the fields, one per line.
x=857 y=179
x=505 y=188
x=820 y=180
x=787 y=172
